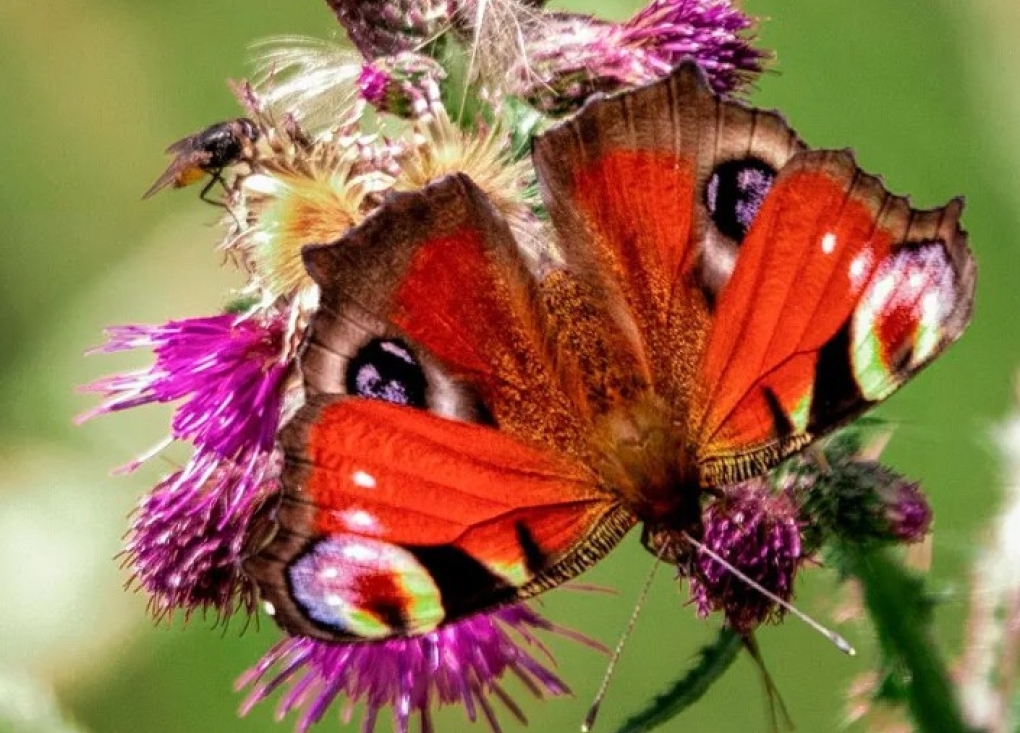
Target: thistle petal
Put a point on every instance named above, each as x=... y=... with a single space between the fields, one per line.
x=461 y=663
x=226 y=370
x=186 y=542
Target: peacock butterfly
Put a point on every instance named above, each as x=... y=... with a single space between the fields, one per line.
x=479 y=428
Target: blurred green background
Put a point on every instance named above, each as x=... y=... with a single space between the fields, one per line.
x=925 y=92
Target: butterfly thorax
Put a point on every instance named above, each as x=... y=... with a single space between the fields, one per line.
x=646 y=460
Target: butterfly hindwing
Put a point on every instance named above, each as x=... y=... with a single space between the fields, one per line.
x=394 y=521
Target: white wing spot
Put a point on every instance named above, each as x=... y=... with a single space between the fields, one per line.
x=859 y=267
x=361 y=554
x=933 y=309
x=828 y=243
x=364 y=480
x=882 y=290
x=359 y=519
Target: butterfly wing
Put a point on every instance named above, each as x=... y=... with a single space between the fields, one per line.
x=394 y=521
x=437 y=468
x=776 y=293
x=632 y=185
x=841 y=293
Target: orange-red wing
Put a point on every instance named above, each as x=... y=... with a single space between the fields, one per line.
x=410 y=520
x=769 y=294
x=841 y=292
x=438 y=271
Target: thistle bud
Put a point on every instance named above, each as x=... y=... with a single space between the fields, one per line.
x=756 y=530
x=387 y=27
x=862 y=502
x=405 y=84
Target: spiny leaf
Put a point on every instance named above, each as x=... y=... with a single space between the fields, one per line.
x=713 y=660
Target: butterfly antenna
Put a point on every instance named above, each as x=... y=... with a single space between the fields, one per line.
x=593 y=711
x=842 y=644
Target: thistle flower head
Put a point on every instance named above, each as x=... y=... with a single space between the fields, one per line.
x=492 y=29
x=572 y=57
x=186 y=543
x=460 y=663
x=442 y=148
x=905 y=509
x=713 y=32
x=387 y=27
x=304 y=189
x=311 y=197
x=405 y=84
x=227 y=374
x=756 y=530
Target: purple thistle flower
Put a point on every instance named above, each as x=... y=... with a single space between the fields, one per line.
x=404 y=84
x=709 y=31
x=385 y=27
x=227 y=368
x=185 y=545
x=227 y=372
x=906 y=510
x=460 y=663
x=757 y=531
x=570 y=56
x=372 y=84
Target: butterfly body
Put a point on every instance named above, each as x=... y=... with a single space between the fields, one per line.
x=479 y=429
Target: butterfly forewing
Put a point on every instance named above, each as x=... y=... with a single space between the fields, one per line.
x=842 y=291
x=651 y=193
x=438 y=272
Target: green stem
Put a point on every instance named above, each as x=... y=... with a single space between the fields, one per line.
x=459 y=93
x=899 y=610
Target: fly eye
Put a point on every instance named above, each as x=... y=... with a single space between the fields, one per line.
x=249 y=130
x=385 y=369
x=735 y=192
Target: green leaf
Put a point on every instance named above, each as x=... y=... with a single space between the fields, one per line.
x=713 y=660
x=524 y=122
x=459 y=92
